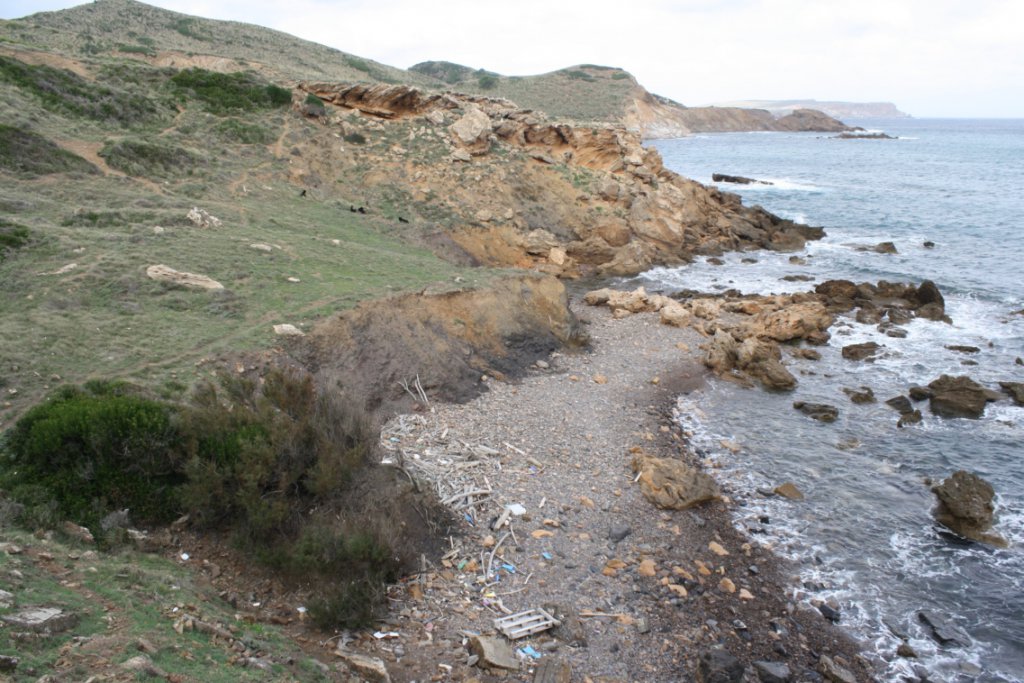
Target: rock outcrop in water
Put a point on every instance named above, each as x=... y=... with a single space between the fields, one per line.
x=966 y=507
x=959 y=397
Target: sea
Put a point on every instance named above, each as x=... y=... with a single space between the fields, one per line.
x=864 y=537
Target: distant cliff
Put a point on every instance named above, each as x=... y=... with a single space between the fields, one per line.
x=842 y=110
x=592 y=93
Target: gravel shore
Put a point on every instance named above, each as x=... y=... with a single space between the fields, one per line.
x=645 y=594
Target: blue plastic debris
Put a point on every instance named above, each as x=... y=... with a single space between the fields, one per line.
x=529 y=652
x=510 y=568
x=546 y=556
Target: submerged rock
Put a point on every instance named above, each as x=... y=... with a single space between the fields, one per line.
x=819 y=411
x=943 y=631
x=965 y=506
x=860 y=396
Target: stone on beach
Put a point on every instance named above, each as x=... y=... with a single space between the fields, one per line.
x=966 y=507
x=672 y=484
x=957 y=397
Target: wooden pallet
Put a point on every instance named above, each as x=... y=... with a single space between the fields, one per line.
x=526 y=623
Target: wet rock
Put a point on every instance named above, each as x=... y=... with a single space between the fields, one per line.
x=911 y=418
x=868 y=316
x=957 y=397
x=899 y=316
x=772 y=672
x=829 y=612
x=370 y=669
x=672 y=484
x=41 y=620
x=737 y=179
x=900 y=404
x=819 y=411
x=884 y=248
x=862 y=395
x=905 y=650
x=943 y=630
x=918 y=393
x=865 y=351
x=963 y=348
x=788 y=491
x=928 y=244
x=896 y=629
x=494 y=652
x=719 y=666
x=965 y=506
x=833 y=672
x=553 y=670
x=1014 y=390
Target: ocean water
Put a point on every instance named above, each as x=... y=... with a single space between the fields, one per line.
x=864 y=536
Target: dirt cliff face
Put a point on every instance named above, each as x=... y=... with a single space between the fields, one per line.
x=518 y=190
x=448 y=342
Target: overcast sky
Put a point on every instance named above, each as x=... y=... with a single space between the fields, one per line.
x=930 y=57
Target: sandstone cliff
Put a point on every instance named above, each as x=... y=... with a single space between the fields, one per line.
x=524 y=191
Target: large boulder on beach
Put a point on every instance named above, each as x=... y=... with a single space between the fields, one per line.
x=966 y=507
x=957 y=397
x=672 y=484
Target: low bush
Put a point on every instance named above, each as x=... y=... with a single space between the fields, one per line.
x=12 y=236
x=355 y=138
x=487 y=82
x=95 y=449
x=141 y=158
x=26 y=153
x=224 y=93
x=270 y=459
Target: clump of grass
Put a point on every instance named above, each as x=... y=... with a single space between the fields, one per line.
x=26 y=153
x=578 y=75
x=229 y=93
x=67 y=92
x=237 y=130
x=355 y=138
x=12 y=236
x=142 y=158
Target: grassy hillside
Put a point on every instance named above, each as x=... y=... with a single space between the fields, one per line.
x=99 y=172
x=129 y=29
x=583 y=93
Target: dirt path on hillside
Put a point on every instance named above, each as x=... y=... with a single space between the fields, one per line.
x=644 y=590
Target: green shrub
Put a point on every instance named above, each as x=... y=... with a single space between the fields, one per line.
x=355 y=138
x=189 y=27
x=487 y=82
x=577 y=75
x=141 y=158
x=137 y=50
x=234 y=92
x=358 y=64
x=64 y=91
x=26 y=153
x=93 y=450
x=620 y=76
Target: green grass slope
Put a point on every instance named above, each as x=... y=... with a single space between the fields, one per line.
x=587 y=93
x=129 y=29
x=75 y=300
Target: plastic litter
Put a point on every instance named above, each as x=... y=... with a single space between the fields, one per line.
x=525 y=623
x=530 y=652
